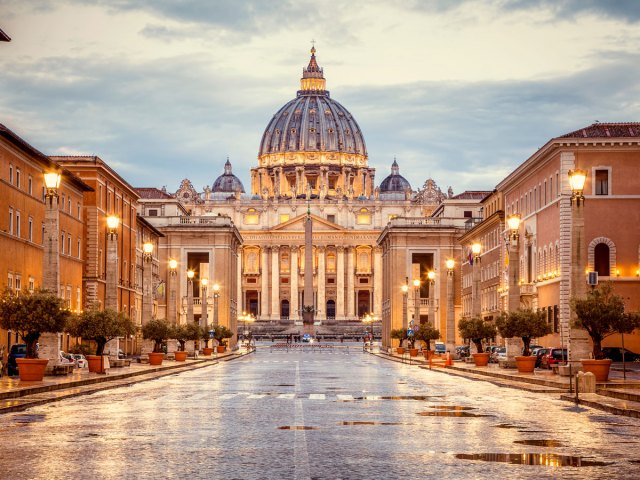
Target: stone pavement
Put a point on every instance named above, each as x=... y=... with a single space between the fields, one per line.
x=618 y=396
x=16 y=395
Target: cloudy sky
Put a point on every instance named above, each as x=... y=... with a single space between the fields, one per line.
x=458 y=90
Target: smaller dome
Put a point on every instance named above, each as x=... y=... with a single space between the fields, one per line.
x=394 y=182
x=227 y=182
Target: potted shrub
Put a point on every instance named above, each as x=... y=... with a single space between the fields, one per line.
x=205 y=336
x=426 y=333
x=30 y=315
x=399 y=334
x=526 y=324
x=222 y=334
x=158 y=331
x=183 y=333
x=101 y=326
x=477 y=330
x=601 y=314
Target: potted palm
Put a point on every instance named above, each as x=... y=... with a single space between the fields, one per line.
x=602 y=314
x=477 y=330
x=183 y=333
x=526 y=324
x=222 y=334
x=426 y=333
x=30 y=315
x=399 y=334
x=158 y=331
x=100 y=326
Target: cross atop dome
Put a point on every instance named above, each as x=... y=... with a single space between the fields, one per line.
x=312 y=81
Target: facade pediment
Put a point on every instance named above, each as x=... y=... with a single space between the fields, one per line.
x=319 y=224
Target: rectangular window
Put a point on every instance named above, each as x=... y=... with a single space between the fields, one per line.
x=468 y=214
x=78 y=248
x=10 y=173
x=331 y=218
x=30 y=229
x=30 y=185
x=602 y=182
x=42 y=234
x=545 y=192
x=18 y=283
x=79 y=217
x=78 y=298
x=153 y=212
x=68 y=297
x=69 y=206
x=32 y=284
x=62 y=243
x=284 y=218
x=18 y=177
x=69 y=245
x=10 y=281
x=11 y=221
x=18 y=224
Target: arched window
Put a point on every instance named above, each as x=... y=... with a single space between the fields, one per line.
x=601 y=259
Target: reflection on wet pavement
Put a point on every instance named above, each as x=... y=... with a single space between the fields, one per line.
x=540 y=443
x=544 y=459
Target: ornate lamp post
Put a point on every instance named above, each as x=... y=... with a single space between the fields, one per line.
x=513 y=222
x=416 y=302
x=204 y=316
x=50 y=342
x=475 y=290
x=578 y=339
x=431 y=275
x=147 y=280
x=190 y=275
x=451 y=321
x=216 y=295
x=405 y=302
x=111 y=291
x=172 y=307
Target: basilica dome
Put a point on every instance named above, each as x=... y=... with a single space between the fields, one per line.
x=394 y=182
x=227 y=182
x=313 y=128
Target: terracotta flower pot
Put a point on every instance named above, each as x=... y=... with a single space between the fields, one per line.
x=413 y=352
x=95 y=363
x=400 y=350
x=428 y=354
x=31 y=369
x=526 y=364
x=206 y=351
x=156 y=358
x=181 y=356
x=221 y=348
x=600 y=368
x=481 y=359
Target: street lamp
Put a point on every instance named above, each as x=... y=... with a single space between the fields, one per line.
x=416 y=301
x=514 y=262
x=368 y=319
x=173 y=307
x=247 y=318
x=216 y=295
x=431 y=275
x=190 y=275
x=578 y=339
x=203 y=304
x=111 y=274
x=475 y=290
x=451 y=322
x=147 y=281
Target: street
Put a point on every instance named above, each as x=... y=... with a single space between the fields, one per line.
x=330 y=413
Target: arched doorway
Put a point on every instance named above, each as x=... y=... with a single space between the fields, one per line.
x=284 y=309
x=601 y=260
x=331 y=310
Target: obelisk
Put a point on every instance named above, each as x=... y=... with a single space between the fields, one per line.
x=308 y=309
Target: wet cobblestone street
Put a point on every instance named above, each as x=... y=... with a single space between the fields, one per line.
x=322 y=414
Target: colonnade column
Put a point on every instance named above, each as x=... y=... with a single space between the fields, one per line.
x=275 y=283
x=377 y=281
x=350 y=285
x=264 y=281
x=322 y=303
x=340 y=284
x=294 y=310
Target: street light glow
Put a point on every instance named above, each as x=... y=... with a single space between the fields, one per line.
x=52 y=180
x=112 y=222
x=450 y=263
x=190 y=274
x=577 y=178
x=475 y=248
x=416 y=282
x=147 y=248
x=216 y=287
x=173 y=264
x=431 y=275
x=514 y=222
x=204 y=282
x=405 y=288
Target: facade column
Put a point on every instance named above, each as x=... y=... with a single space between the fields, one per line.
x=350 y=284
x=476 y=306
x=340 y=284
x=377 y=281
x=239 y=294
x=322 y=303
x=294 y=310
x=264 y=278
x=275 y=283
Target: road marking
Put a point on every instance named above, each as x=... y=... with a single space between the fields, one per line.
x=317 y=396
x=227 y=396
x=287 y=395
x=300 y=451
x=256 y=395
x=344 y=398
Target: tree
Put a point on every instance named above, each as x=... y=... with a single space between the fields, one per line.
x=183 y=333
x=32 y=314
x=476 y=330
x=158 y=331
x=398 y=334
x=526 y=324
x=602 y=314
x=101 y=326
x=426 y=332
x=205 y=336
x=221 y=334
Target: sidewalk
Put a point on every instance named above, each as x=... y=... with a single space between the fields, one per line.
x=617 y=396
x=16 y=395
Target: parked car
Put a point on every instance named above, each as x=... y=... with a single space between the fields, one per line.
x=615 y=354
x=18 y=350
x=66 y=358
x=553 y=356
x=497 y=354
x=539 y=353
x=463 y=351
x=441 y=348
x=81 y=361
x=307 y=338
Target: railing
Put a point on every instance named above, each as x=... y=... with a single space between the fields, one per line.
x=527 y=289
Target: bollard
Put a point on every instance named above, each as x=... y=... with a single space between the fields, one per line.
x=577 y=399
